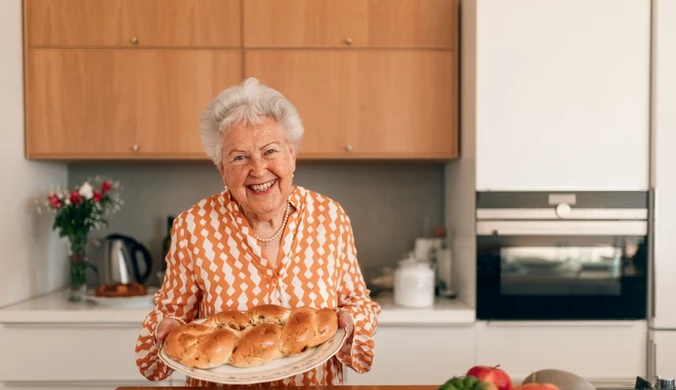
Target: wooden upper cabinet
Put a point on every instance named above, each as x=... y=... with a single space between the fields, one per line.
x=173 y=88
x=415 y=23
x=367 y=104
x=142 y=23
x=326 y=105
x=304 y=23
x=109 y=103
x=73 y=103
x=350 y=23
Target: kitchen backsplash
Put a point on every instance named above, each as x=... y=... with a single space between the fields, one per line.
x=388 y=203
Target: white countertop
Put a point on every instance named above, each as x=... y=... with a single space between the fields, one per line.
x=55 y=308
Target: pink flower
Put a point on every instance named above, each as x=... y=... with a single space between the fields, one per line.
x=106 y=186
x=54 y=201
x=75 y=198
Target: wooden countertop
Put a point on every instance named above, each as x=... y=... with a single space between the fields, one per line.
x=295 y=388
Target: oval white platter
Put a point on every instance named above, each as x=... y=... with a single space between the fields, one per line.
x=274 y=370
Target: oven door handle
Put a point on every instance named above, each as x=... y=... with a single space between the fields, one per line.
x=562 y=324
x=561 y=228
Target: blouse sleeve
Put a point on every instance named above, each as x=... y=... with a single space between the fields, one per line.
x=355 y=299
x=178 y=298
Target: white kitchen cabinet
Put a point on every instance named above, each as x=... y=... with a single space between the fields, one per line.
x=603 y=352
x=663 y=353
x=69 y=352
x=418 y=355
x=70 y=355
x=558 y=93
x=664 y=159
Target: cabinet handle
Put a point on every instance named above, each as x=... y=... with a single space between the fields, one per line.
x=134 y=40
x=135 y=148
x=348 y=41
x=348 y=148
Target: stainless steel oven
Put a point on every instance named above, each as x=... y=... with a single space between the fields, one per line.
x=562 y=256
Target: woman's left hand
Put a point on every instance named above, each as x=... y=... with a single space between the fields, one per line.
x=345 y=322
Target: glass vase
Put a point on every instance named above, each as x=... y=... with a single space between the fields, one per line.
x=78 y=266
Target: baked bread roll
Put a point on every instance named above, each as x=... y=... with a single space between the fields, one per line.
x=251 y=338
x=121 y=290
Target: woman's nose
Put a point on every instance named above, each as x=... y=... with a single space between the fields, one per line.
x=258 y=167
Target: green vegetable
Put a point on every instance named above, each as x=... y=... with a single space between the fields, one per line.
x=463 y=383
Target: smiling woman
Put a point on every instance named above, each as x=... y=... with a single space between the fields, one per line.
x=263 y=240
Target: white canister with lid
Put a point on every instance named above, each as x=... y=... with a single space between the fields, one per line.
x=414 y=284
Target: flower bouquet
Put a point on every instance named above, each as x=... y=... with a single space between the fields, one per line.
x=77 y=212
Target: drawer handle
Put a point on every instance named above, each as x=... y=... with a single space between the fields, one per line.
x=134 y=40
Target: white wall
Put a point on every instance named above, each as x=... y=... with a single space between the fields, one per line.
x=32 y=258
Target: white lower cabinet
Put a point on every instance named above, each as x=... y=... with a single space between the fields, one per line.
x=70 y=355
x=606 y=353
x=418 y=355
x=51 y=356
x=663 y=353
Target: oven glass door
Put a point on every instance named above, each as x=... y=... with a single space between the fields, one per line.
x=563 y=276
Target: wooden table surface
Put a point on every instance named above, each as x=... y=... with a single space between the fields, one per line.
x=295 y=388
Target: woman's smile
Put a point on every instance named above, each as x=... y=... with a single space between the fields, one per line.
x=263 y=188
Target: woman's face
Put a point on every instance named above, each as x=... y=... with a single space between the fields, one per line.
x=257 y=166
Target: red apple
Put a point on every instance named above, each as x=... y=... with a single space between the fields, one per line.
x=488 y=385
x=492 y=375
x=536 y=386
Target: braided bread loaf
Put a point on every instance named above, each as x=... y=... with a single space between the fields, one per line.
x=251 y=338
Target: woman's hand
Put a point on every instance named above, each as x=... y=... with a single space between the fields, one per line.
x=163 y=328
x=345 y=322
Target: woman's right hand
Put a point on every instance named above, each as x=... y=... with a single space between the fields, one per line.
x=165 y=326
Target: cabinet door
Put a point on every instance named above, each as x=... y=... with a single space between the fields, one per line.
x=304 y=23
x=79 y=102
x=407 y=104
x=366 y=104
x=320 y=85
x=663 y=353
x=122 y=103
x=598 y=351
x=350 y=23
x=664 y=89
x=53 y=353
x=418 y=356
x=133 y=22
x=412 y=23
x=173 y=88
x=561 y=104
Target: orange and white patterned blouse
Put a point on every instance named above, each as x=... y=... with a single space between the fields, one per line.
x=215 y=264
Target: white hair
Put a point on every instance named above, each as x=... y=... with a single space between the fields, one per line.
x=246 y=104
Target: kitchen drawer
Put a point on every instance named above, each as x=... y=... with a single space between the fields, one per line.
x=69 y=352
x=418 y=355
x=599 y=351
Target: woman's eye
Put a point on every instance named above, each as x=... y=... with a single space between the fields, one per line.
x=238 y=158
x=270 y=151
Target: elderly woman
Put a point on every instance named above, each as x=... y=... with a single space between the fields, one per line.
x=263 y=240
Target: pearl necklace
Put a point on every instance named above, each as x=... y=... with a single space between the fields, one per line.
x=281 y=227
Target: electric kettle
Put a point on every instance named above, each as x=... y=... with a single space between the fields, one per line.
x=121 y=263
